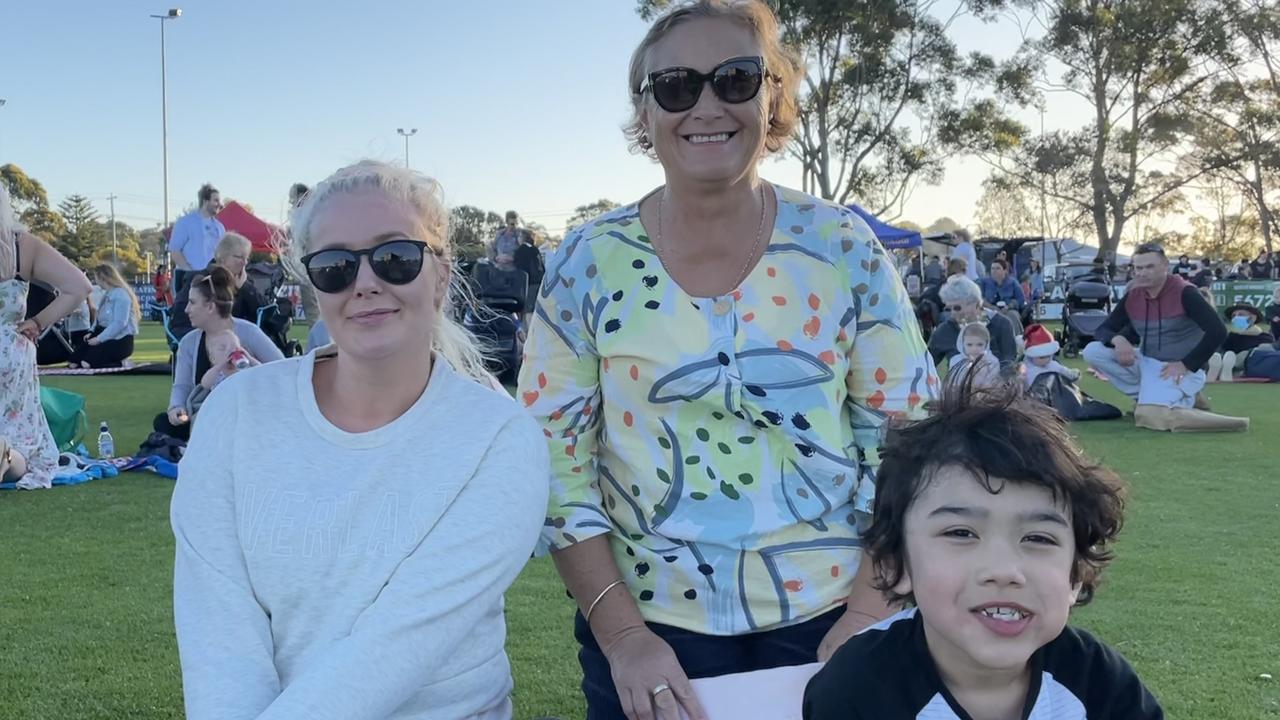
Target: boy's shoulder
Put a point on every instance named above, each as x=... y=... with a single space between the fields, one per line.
x=884 y=671
x=1080 y=670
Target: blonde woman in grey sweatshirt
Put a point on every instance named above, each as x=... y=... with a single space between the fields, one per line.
x=348 y=521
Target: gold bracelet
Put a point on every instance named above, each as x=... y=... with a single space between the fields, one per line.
x=592 y=608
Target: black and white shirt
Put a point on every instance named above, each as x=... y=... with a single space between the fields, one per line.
x=886 y=673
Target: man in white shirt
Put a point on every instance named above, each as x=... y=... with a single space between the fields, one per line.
x=194 y=237
x=964 y=249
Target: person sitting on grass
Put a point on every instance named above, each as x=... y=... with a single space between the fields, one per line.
x=227 y=356
x=990 y=524
x=1001 y=291
x=962 y=299
x=1244 y=335
x=211 y=296
x=1178 y=331
x=975 y=364
x=1040 y=352
x=111 y=342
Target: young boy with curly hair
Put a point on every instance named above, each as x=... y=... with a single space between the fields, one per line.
x=990 y=524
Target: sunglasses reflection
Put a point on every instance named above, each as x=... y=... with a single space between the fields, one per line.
x=734 y=81
x=398 y=261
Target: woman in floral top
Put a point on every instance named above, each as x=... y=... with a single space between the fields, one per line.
x=712 y=367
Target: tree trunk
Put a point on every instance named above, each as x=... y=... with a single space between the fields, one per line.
x=1266 y=218
x=1098 y=171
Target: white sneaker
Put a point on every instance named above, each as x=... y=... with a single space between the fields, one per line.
x=1228 y=366
x=1215 y=368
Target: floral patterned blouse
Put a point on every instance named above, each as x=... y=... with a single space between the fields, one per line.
x=727 y=445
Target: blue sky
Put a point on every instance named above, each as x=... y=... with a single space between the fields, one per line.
x=517 y=103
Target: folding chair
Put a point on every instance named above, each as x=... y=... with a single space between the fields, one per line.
x=165 y=317
x=54 y=344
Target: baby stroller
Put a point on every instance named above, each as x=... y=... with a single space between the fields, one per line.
x=1087 y=305
x=500 y=293
x=928 y=307
x=275 y=319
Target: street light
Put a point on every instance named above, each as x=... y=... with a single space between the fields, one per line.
x=173 y=14
x=2 y=102
x=410 y=133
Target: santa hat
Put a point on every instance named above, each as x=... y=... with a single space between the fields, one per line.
x=1040 y=342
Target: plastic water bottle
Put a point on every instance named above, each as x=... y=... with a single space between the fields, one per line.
x=106 y=443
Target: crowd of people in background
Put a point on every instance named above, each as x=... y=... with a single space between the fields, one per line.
x=694 y=412
x=1029 y=278
x=1206 y=271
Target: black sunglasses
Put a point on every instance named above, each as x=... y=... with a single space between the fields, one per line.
x=734 y=81
x=397 y=261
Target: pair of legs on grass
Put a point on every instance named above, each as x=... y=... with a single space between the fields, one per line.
x=13 y=464
x=109 y=354
x=1142 y=380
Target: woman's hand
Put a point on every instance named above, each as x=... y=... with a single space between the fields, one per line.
x=178 y=416
x=642 y=662
x=212 y=375
x=30 y=329
x=93 y=341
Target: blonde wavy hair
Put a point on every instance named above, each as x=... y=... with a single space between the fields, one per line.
x=108 y=276
x=9 y=226
x=423 y=194
x=782 y=63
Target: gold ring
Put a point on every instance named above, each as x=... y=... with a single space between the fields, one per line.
x=661 y=688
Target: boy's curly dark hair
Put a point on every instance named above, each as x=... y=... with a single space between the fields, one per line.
x=999 y=436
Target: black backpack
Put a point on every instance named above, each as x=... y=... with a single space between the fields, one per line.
x=1069 y=401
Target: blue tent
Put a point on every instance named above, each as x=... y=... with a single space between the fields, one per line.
x=891 y=237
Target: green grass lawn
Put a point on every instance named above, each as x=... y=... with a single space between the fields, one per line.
x=1192 y=600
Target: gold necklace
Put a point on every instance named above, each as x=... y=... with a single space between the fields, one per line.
x=746 y=266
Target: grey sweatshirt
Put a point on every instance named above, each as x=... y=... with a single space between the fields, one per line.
x=329 y=575
x=254 y=341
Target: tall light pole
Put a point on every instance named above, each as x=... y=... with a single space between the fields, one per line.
x=2 y=102
x=115 y=257
x=173 y=14
x=407 y=134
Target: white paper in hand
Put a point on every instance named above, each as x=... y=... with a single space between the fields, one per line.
x=775 y=694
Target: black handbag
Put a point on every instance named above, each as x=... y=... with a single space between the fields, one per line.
x=1069 y=401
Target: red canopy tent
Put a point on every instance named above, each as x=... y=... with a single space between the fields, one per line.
x=235 y=218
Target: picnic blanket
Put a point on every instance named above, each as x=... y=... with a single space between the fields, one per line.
x=143 y=369
x=74 y=469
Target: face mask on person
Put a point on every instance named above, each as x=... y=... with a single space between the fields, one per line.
x=1240 y=322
